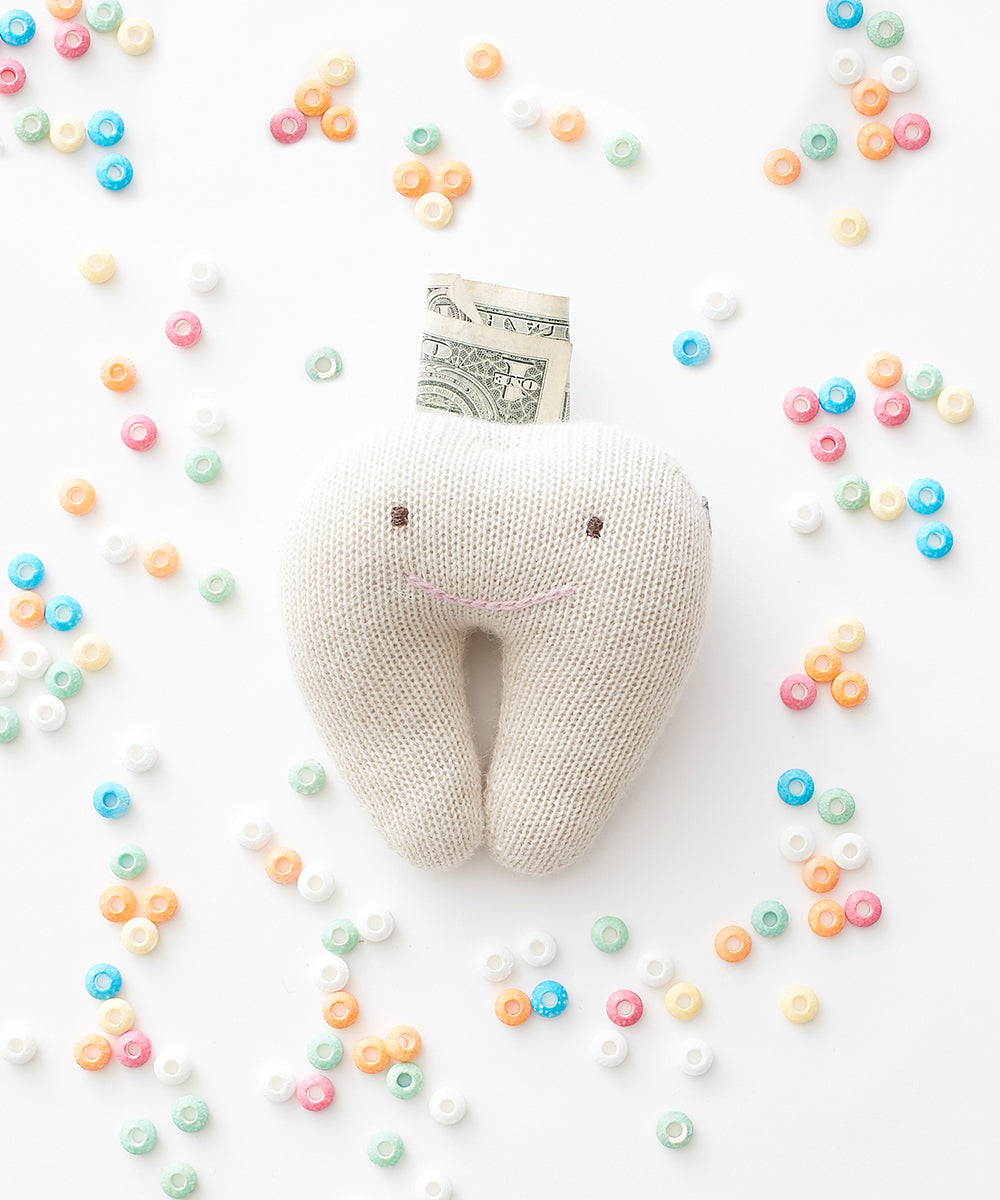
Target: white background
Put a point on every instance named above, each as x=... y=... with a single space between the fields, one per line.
x=887 y=1091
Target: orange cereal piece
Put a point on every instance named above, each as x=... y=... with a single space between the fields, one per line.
x=513 y=1006
x=370 y=1055
x=849 y=689
x=452 y=178
x=869 y=97
x=26 y=609
x=158 y=904
x=312 y=97
x=483 y=60
x=819 y=910
x=884 y=369
x=782 y=166
x=822 y=663
x=339 y=123
x=283 y=865
x=732 y=943
x=118 y=373
x=92 y=1052
x=875 y=140
x=820 y=874
x=340 y=1009
x=411 y=178
x=403 y=1043
x=117 y=903
x=77 y=497
x=567 y=123
x=64 y=10
x=161 y=559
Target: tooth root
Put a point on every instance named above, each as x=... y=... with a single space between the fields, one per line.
x=394 y=711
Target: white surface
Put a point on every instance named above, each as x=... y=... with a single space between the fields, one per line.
x=315 y=248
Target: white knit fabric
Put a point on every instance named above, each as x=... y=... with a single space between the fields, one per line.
x=597 y=632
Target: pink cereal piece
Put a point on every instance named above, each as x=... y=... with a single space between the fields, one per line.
x=288 y=125
x=183 y=328
x=800 y=404
x=12 y=76
x=139 y=432
x=892 y=408
x=314 y=1092
x=797 y=691
x=624 y=999
x=827 y=444
x=906 y=141
x=862 y=920
x=132 y=1049
x=72 y=39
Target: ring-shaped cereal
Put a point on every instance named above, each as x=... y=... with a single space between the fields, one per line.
x=64 y=10
x=848 y=227
x=336 y=68
x=433 y=210
x=92 y=1052
x=674 y=1001
x=934 y=539
x=801 y=404
x=177 y=1180
x=115 y=1016
x=114 y=172
x=117 y=903
x=67 y=134
x=844 y=20
x=26 y=609
x=140 y=936
x=920 y=136
x=924 y=381
x=624 y=1007
x=818 y=141
x=340 y=1009
x=925 y=496
x=422 y=139
x=850 y=851
x=283 y=865
x=769 y=918
x=12 y=76
x=452 y=178
x=325 y=1051
x=795 y=786
x=103 y=981
x=26 y=571
x=846 y=634
x=827 y=444
x=339 y=123
x=10 y=724
x=370 y=1055
x=797 y=843
x=724 y=939
x=875 y=140
x=139 y=432
x=782 y=166
x=674 y=1129
x=183 y=328
x=549 y=998
x=31 y=124
x=899 y=73
x=72 y=40
x=836 y=806
x=884 y=29
x=512 y=1006
x=797 y=691
x=819 y=910
x=128 y=861
x=91 y=652
x=133 y=1049
x=623 y=150
x=288 y=125
x=892 y=408
x=567 y=123
x=138 y=1136
x=403 y=1043
x=955 y=404
x=483 y=60
x=385 y=1149
x=134 y=35
x=887 y=501
x=17 y=27
x=822 y=663
x=77 y=497
x=314 y=1093
x=884 y=368
x=118 y=373
x=799 y=1004
x=691 y=348
x=820 y=874
x=104 y=16
x=340 y=936
x=404 y=1080
x=96 y=265
x=609 y=934
x=158 y=904
x=836 y=395
x=202 y=465
x=312 y=97
x=112 y=801
x=323 y=363
x=411 y=178
x=869 y=97
x=853 y=905
x=161 y=559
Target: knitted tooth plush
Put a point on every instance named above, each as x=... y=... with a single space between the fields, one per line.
x=581 y=547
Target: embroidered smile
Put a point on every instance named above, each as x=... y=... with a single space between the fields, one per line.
x=490 y=605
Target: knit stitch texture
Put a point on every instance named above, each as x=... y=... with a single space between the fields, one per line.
x=416 y=535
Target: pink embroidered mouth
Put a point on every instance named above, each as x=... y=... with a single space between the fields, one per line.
x=490 y=605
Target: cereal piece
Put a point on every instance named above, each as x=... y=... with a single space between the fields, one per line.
x=67 y=134
x=336 y=68
x=314 y=1092
x=190 y=1113
x=623 y=150
x=820 y=874
x=278 y=1086
x=111 y=800
x=836 y=806
x=202 y=465
x=804 y=514
x=160 y=559
x=118 y=373
x=178 y=1179
x=836 y=395
x=340 y=935
x=128 y=861
x=183 y=328
x=483 y=60
x=892 y=408
x=158 y=904
x=512 y=1006
x=522 y=109
x=172 y=1066
x=370 y=1055
x=47 y=713
x=869 y=97
x=340 y=1009
x=138 y=755
x=26 y=571
x=135 y=36
x=376 y=924
x=104 y=16
x=253 y=832
x=845 y=66
x=316 y=883
x=92 y=1052
x=827 y=444
x=682 y=1001
x=801 y=404
x=12 y=76
x=935 y=539
x=288 y=125
x=283 y=865
x=139 y=432
x=846 y=634
x=924 y=381
x=63 y=613
x=106 y=127
x=822 y=663
x=862 y=908
x=674 y=1129
x=537 y=948
x=875 y=140
x=609 y=1049
x=103 y=981
x=818 y=141
x=549 y=998
x=850 y=851
x=405 y=1080
x=325 y=1051
x=782 y=166
x=114 y=172
x=795 y=786
x=495 y=963
x=884 y=369
x=140 y=935
x=694 y=1056
x=849 y=689
x=732 y=943
x=655 y=969
x=609 y=934
x=403 y=1043
x=385 y=1149
x=799 y=1004
x=448 y=1106
x=452 y=178
x=769 y=918
x=307 y=777
x=18 y=1046
x=955 y=404
x=332 y=973
x=116 y=545
x=323 y=363
x=117 y=903
x=137 y=1136
x=433 y=210
x=899 y=73
x=411 y=178
x=797 y=843
x=26 y=609
x=72 y=41
x=339 y=123
x=624 y=1007
x=422 y=139
x=911 y=131
x=567 y=123
x=432 y=1185
x=312 y=97
x=849 y=227
x=115 y=1016
x=31 y=124
x=826 y=918
x=691 y=348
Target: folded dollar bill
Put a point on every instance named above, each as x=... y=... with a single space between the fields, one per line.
x=497 y=353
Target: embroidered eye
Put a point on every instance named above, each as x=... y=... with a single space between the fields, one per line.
x=594 y=527
x=400 y=516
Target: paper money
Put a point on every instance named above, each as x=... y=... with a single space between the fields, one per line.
x=497 y=353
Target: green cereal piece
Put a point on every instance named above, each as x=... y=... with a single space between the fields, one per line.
x=924 y=382
x=622 y=150
x=340 y=935
x=836 y=806
x=851 y=492
x=128 y=861
x=217 y=586
x=769 y=918
x=674 y=1129
x=10 y=725
x=190 y=1114
x=404 y=1079
x=31 y=124
x=325 y=1051
x=178 y=1180
x=324 y=363
x=138 y=1136
x=818 y=141
x=203 y=465
x=307 y=777
x=385 y=1149
x=609 y=934
x=64 y=679
x=875 y=32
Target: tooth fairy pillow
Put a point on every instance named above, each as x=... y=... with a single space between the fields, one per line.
x=581 y=547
